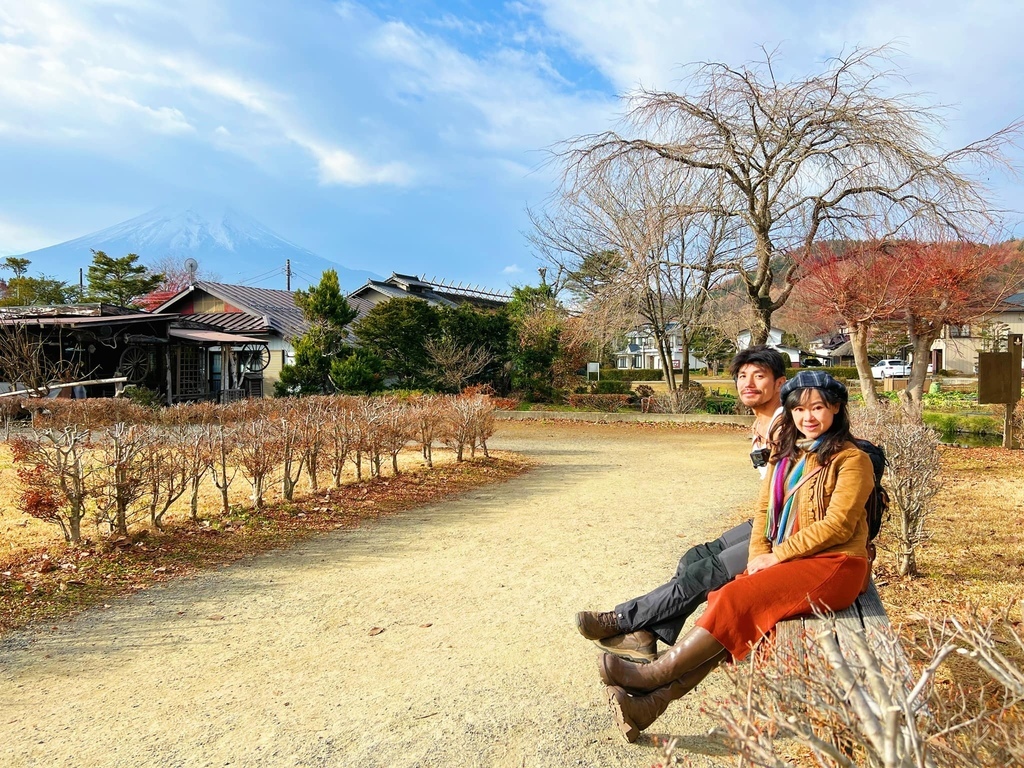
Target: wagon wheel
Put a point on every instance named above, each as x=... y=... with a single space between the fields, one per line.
x=254 y=357
x=134 y=363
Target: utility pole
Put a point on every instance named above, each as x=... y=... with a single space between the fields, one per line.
x=288 y=274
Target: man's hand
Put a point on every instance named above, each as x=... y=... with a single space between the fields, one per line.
x=761 y=562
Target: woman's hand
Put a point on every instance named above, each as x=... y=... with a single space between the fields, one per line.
x=761 y=562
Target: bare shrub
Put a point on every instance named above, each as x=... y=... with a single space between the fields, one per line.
x=396 y=429
x=175 y=463
x=221 y=444
x=291 y=433
x=55 y=473
x=122 y=457
x=98 y=413
x=863 y=708
x=343 y=435
x=258 y=453
x=469 y=421
x=680 y=401
x=912 y=455
x=314 y=436
x=484 y=424
x=370 y=416
x=427 y=414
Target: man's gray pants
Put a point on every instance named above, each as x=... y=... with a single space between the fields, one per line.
x=701 y=570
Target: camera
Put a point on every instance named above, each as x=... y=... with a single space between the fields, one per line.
x=759 y=457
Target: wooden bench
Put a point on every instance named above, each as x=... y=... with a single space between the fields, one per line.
x=866 y=617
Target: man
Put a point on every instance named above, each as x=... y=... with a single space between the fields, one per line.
x=633 y=629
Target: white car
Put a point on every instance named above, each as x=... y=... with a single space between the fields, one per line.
x=890 y=368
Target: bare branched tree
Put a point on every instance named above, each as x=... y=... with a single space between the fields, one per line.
x=636 y=252
x=25 y=363
x=453 y=364
x=831 y=156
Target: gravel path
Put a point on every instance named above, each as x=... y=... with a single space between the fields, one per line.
x=272 y=661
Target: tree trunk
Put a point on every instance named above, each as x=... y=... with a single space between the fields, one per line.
x=666 y=361
x=859 y=341
x=761 y=325
x=75 y=527
x=194 y=498
x=684 y=353
x=913 y=400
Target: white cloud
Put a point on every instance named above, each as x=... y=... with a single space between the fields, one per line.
x=69 y=79
x=961 y=53
x=512 y=269
x=519 y=96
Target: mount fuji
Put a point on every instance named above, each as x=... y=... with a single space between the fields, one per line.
x=229 y=246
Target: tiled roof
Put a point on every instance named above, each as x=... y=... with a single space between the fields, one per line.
x=232 y=322
x=278 y=306
x=274 y=309
x=360 y=305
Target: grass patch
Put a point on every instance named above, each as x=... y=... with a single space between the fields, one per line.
x=975 y=554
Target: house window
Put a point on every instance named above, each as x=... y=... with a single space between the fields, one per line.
x=621 y=362
x=638 y=361
x=959 y=331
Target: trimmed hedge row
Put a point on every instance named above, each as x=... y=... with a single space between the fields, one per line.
x=607 y=403
x=633 y=374
x=840 y=372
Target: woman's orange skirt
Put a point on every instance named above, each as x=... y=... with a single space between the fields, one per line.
x=747 y=608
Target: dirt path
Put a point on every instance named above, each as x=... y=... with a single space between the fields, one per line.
x=271 y=662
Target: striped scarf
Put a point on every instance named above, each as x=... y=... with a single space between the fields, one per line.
x=782 y=521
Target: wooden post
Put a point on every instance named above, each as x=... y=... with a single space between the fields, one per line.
x=167 y=365
x=1014 y=343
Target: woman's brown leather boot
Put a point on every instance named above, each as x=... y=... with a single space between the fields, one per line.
x=697 y=648
x=635 y=713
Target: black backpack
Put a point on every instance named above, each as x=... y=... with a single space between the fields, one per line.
x=878 y=502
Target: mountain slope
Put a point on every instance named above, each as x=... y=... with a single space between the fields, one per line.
x=227 y=244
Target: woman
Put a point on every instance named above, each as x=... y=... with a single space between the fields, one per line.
x=808 y=550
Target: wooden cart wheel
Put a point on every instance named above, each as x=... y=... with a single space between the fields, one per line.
x=254 y=357
x=134 y=363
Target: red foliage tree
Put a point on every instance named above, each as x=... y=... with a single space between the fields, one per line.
x=923 y=286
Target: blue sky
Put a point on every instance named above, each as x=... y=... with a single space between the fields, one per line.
x=407 y=135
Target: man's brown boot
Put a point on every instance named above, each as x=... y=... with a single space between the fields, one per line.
x=598 y=626
x=697 y=648
x=640 y=646
x=635 y=713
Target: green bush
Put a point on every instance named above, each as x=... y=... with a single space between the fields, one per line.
x=632 y=374
x=950 y=400
x=840 y=372
x=147 y=398
x=610 y=387
x=720 y=403
x=606 y=403
x=948 y=424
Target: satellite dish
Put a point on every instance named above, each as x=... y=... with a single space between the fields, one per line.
x=191 y=265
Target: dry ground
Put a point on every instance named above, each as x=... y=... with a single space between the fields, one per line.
x=443 y=636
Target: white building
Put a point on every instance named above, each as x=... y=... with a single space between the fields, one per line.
x=641 y=351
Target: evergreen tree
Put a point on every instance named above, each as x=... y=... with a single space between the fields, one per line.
x=537 y=324
x=120 y=281
x=38 y=291
x=360 y=373
x=328 y=312
x=396 y=331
